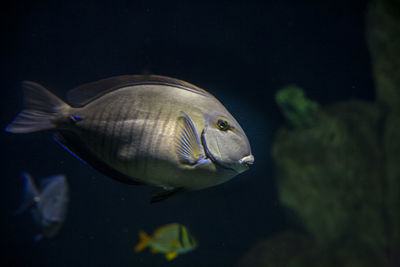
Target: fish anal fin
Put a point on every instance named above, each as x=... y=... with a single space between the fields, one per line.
x=162 y=195
x=171 y=255
x=79 y=150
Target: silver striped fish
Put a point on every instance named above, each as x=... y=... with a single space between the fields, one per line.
x=142 y=129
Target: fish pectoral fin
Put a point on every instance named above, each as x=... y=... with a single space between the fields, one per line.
x=188 y=144
x=153 y=250
x=171 y=255
x=162 y=195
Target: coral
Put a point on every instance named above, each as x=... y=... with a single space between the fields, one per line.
x=296 y=108
x=330 y=174
x=338 y=167
x=291 y=249
x=383 y=33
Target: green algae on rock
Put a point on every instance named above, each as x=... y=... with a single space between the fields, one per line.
x=330 y=174
x=297 y=109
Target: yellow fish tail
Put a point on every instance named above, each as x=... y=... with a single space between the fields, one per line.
x=144 y=241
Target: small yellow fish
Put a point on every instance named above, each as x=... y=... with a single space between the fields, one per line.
x=171 y=239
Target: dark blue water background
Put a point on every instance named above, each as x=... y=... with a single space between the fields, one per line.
x=240 y=51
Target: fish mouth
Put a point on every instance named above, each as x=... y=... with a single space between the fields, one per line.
x=244 y=163
x=248 y=160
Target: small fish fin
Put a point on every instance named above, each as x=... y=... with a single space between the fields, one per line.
x=30 y=195
x=78 y=149
x=162 y=195
x=171 y=255
x=144 y=241
x=44 y=182
x=40 y=110
x=86 y=93
x=154 y=251
x=175 y=243
x=188 y=145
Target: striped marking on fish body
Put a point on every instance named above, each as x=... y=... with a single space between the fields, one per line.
x=124 y=139
x=119 y=125
x=142 y=157
x=92 y=135
x=161 y=136
x=180 y=235
x=102 y=133
x=106 y=136
x=151 y=129
x=94 y=128
x=153 y=147
x=130 y=145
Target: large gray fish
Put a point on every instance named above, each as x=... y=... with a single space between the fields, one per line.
x=138 y=129
x=49 y=205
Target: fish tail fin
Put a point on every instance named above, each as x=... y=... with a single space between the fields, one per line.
x=30 y=195
x=144 y=241
x=40 y=110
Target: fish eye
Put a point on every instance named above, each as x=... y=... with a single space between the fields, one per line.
x=223 y=124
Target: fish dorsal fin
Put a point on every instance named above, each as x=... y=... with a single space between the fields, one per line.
x=85 y=93
x=188 y=145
